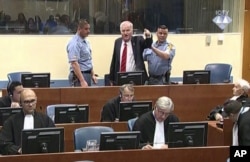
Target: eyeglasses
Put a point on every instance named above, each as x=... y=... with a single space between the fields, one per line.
x=27 y=102
x=162 y=112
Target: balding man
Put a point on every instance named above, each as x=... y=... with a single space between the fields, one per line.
x=10 y=135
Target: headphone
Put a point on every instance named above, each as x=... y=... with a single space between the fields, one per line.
x=11 y=87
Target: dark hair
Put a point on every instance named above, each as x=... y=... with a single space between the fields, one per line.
x=232 y=107
x=162 y=27
x=11 y=87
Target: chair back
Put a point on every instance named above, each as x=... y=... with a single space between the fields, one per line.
x=219 y=72
x=81 y=135
x=50 y=110
x=15 y=76
x=131 y=123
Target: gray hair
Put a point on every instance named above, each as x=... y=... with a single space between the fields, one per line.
x=244 y=85
x=129 y=86
x=126 y=23
x=165 y=103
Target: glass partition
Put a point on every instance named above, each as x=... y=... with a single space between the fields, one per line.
x=61 y=16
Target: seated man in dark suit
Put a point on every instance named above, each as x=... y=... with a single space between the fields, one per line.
x=110 y=111
x=240 y=93
x=10 y=134
x=153 y=125
x=13 y=97
x=240 y=115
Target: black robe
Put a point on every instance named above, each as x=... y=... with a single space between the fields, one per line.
x=10 y=134
x=146 y=125
x=110 y=110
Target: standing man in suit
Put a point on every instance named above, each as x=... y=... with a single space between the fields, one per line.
x=240 y=115
x=134 y=48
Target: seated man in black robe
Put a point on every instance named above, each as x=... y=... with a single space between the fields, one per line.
x=110 y=111
x=10 y=134
x=153 y=125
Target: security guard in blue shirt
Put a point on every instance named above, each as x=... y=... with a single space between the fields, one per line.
x=160 y=58
x=80 y=59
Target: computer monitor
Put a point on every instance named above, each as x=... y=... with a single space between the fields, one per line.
x=72 y=114
x=31 y=80
x=6 y=112
x=196 y=77
x=187 y=134
x=130 y=78
x=119 y=140
x=129 y=110
x=42 y=140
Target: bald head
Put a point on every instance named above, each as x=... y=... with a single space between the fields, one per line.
x=28 y=101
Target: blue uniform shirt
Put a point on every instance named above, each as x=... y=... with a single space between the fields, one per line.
x=156 y=65
x=79 y=49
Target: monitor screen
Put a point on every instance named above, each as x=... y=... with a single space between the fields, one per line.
x=119 y=140
x=187 y=134
x=129 y=110
x=6 y=112
x=31 y=80
x=196 y=77
x=72 y=114
x=43 y=140
x=130 y=78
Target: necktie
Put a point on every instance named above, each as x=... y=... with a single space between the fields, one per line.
x=124 y=58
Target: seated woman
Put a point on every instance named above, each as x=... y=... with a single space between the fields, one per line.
x=240 y=93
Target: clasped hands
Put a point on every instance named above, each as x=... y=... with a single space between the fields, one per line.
x=149 y=147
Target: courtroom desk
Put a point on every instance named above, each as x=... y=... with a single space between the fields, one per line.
x=200 y=154
x=214 y=133
x=96 y=97
x=194 y=102
x=70 y=127
x=215 y=136
x=227 y=130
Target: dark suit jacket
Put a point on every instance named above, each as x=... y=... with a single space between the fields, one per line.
x=244 y=129
x=138 y=45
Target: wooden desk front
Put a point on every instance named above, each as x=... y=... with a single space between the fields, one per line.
x=206 y=154
x=192 y=102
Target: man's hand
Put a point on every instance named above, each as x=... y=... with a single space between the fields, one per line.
x=147 y=33
x=147 y=147
x=94 y=79
x=84 y=84
x=15 y=105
